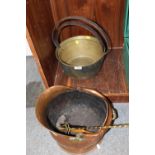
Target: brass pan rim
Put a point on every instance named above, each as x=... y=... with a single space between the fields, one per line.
x=79 y=37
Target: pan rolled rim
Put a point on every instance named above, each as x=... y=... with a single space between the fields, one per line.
x=87 y=37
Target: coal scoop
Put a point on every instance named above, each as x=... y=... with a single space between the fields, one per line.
x=77 y=118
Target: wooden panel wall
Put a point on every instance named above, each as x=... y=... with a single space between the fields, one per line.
x=110 y=14
x=39 y=24
x=107 y=13
x=41 y=16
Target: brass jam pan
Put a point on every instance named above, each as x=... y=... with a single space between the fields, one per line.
x=81 y=56
x=80 y=51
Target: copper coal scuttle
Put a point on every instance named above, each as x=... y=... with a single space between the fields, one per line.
x=78 y=118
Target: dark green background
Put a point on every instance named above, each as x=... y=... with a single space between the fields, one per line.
x=126 y=41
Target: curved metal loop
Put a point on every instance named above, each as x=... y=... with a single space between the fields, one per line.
x=85 y=22
x=76 y=23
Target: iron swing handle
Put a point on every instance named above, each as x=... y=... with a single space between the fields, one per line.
x=85 y=23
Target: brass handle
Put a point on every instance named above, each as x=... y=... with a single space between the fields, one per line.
x=124 y=125
x=66 y=127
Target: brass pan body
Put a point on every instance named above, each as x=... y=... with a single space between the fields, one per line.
x=80 y=56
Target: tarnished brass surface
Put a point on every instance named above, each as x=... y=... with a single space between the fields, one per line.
x=81 y=56
x=80 y=51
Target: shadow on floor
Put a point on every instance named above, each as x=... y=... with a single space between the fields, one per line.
x=33 y=90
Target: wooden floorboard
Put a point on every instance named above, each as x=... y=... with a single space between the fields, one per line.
x=110 y=81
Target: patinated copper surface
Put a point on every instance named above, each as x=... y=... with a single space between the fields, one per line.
x=65 y=141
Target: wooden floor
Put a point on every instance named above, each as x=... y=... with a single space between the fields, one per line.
x=110 y=81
